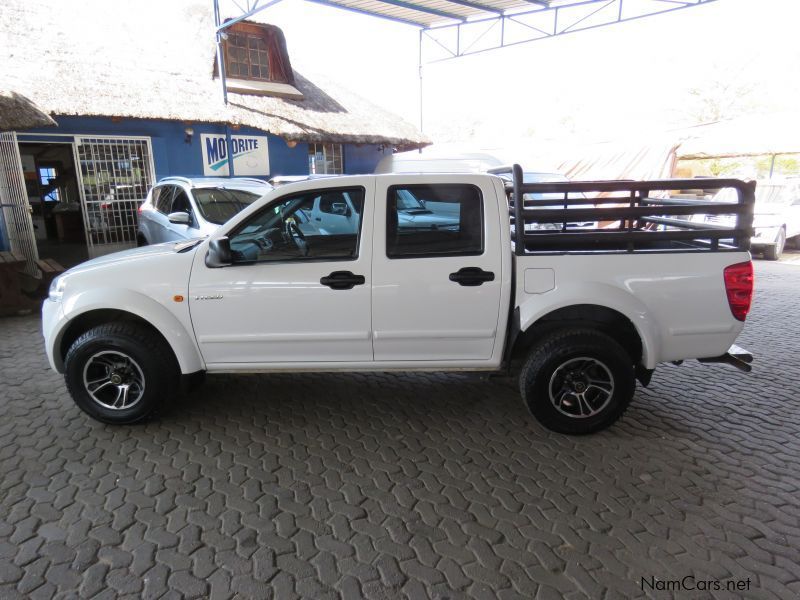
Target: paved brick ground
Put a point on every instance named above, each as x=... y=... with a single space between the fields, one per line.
x=394 y=486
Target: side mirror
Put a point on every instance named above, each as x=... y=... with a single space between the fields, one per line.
x=219 y=253
x=340 y=208
x=179 y=218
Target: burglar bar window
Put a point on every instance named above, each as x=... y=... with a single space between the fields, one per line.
x=325 y=159
x=247 y=56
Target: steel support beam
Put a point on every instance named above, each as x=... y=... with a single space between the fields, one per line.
x=563 y=19
x=423 y=9
x=255 y=8
x=360 y=11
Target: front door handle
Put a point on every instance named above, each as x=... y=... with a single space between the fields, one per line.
x=342 y=280
x=471 y=276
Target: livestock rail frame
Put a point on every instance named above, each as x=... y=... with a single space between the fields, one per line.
x=640 y=216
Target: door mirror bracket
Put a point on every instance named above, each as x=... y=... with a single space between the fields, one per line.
x=219 y=253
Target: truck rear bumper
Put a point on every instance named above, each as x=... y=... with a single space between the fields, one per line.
x=736 y=356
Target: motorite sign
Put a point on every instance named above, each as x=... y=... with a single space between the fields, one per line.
x=250 y=154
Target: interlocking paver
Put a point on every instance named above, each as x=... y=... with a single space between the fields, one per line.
x=404 y=485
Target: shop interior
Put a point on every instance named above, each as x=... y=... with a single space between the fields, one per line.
x=52 y=188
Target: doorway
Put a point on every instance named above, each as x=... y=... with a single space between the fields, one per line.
x=51 y=185
x=84 y=193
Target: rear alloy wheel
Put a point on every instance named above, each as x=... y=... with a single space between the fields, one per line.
x=774 y=252
x=577 y=381
x=121 y=373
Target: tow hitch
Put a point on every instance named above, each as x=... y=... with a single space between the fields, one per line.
x=735 y=356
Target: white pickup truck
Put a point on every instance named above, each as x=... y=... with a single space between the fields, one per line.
x=487 y=281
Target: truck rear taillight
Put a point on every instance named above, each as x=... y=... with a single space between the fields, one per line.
x=739 y=287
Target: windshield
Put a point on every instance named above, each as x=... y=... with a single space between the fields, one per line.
x=217 y=205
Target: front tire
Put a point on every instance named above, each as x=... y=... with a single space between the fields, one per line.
x=121 y=373
x=774 y=252
x=577 y=381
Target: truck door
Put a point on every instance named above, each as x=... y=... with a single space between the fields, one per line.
x=436 y=277
x=292 y=295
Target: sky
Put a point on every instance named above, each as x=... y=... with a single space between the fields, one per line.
x=724 y=58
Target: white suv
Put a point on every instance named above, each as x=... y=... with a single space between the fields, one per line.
x=182 y=208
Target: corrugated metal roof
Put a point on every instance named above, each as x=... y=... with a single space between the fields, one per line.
x=427 y=13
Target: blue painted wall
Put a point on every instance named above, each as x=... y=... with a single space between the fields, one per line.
x=173 y=156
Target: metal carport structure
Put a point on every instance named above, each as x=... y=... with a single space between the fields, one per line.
x=463 y=27
x=451 y=29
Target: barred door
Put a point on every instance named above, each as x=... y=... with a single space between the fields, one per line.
x=116 y=174
x=15 y=205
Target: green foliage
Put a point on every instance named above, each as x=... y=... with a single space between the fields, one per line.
x=745 y=167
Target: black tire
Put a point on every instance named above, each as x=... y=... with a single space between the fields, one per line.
x=567 y=360
x=774 y=252
x=141 y=241
x=113 y=358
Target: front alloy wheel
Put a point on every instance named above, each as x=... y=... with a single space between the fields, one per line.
x=114 y=380
x=121 y=372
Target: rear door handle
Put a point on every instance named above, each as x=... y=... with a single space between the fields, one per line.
x=342 y=280
x=471 y=276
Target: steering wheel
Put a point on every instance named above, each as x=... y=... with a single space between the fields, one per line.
x=297 y=236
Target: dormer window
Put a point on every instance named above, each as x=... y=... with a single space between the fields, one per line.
x=256 y=61
x=247 y=56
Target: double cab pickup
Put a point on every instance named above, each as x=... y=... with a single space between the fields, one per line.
x=408 y=272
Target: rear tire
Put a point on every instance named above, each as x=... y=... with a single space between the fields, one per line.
x=577 y=381
x=141 y=241
x=121 y=373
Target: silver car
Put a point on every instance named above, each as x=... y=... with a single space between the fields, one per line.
x=181 y=208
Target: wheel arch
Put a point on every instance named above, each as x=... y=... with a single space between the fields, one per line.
x=590 y=316
x=619 y=315
x=106 y=306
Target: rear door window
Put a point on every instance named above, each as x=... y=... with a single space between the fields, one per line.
x=434 y=220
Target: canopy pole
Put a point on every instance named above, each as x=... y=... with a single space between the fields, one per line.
x=419 y=68
x=220 y=56
x=772 y=165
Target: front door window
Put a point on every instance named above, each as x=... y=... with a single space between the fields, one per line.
x=311 y=225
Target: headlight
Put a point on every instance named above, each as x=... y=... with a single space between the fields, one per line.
x=57 y=288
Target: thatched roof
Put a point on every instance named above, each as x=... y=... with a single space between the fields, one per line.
x=17 y=112
x=153 y=59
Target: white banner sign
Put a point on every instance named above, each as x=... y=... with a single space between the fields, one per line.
x=250 y=154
